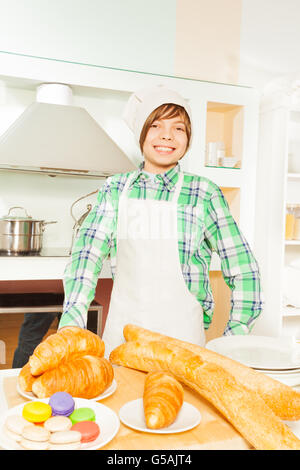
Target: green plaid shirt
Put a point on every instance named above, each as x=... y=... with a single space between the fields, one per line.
x=204 y=225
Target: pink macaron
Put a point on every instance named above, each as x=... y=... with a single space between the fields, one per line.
x=89 y=430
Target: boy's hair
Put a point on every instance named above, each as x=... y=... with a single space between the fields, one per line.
x=167 y=111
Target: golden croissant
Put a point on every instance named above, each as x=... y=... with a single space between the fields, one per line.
x=68 y=343
x=25 y=378
x=162 y=399
x=282 y=399
x=241 y=406
x=83 y=377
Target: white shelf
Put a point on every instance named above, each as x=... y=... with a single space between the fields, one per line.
x=292 y=242
x=290 y=312
x=293 y=176
x=223 y=177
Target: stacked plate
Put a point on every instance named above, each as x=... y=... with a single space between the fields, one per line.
x=276 y=357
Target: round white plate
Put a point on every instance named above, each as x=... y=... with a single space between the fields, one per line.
x=289 y=379
x=106 y=419
x=284 y=372
x=109 y=391
x=132 y=415
x=258 y=352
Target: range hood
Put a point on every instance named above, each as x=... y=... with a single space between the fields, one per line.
x=54 y=137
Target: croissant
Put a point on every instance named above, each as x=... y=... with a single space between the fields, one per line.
x=282 y=399
x=25 y=378
x=83 y=377
x=242 y=407
x=68 y=343
x=162 y=399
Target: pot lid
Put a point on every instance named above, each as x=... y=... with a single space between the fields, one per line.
x=18 y=217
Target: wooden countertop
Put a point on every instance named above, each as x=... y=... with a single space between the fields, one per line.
x=213 y=432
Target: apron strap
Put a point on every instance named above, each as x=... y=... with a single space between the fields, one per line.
x=127 y=184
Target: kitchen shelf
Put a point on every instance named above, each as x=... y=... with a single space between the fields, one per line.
x=225 y=177
x=295 y=176
x=278 y=187
x=290 y=312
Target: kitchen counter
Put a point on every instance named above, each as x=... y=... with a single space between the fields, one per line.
x=213 y=432
x=49 y=264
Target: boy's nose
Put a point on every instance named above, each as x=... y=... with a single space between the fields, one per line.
x=166 y=134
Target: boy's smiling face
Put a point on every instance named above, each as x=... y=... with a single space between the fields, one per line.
x=165 y=144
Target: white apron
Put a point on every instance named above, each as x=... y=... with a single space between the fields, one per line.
x=149 y=289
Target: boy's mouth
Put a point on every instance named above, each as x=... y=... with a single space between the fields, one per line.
x=162 y=149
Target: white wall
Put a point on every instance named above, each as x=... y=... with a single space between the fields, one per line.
x=270 y=41
x=47 y=198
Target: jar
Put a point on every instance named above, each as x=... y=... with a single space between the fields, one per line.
x=296 y=232
x=290 y=222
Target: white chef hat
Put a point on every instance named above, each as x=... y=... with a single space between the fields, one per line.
x=141 y=104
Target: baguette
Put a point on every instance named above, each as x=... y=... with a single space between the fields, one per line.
x=282 y=399
x=83 y=377
x=162 y=399
x=25 y=378
x=241 y=406
x=65 y=345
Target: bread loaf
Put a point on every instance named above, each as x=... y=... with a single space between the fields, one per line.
x=83 y=377
x=162 y=399
x=282 y=399
x=67 y=344
x=241 y=406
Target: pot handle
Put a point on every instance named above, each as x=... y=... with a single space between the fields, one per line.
x=46 y=223
x=19 y=207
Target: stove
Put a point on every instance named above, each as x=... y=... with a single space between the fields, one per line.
x=47 y=252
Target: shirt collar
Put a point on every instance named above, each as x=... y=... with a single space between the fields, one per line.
x=169 y=178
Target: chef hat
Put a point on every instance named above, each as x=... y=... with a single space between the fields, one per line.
x=141 y=104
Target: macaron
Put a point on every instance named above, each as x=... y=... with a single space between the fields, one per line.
x=15 y=424
x=70 y=446
x=89 y=430
x=34 y=445
x=36 y=433
x=82 y=414
x=62 y=404
x=58 y=423
x=63 y=438
x=36 y=411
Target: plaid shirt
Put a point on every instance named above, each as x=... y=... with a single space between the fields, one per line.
x=204 y=225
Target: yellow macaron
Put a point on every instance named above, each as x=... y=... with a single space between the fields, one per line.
x=36 y=411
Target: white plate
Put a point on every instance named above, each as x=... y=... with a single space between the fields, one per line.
x=106 y=418
x=109 y=391
x=258 y=352
x=289 y=379
x=132 y=415
x=294 y=427
x=290 y=372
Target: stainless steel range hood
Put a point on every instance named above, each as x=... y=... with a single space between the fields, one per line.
x=54 y=137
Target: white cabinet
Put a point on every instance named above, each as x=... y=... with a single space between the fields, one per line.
x=278 y=187
x=221 y=112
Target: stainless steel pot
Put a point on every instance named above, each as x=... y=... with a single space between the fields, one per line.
x=21 y=234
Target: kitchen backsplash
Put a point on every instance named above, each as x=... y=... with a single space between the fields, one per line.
x=48 y=198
